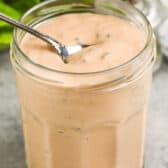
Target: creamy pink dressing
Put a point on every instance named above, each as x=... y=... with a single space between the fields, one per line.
x=65 y=127
x=116 y=41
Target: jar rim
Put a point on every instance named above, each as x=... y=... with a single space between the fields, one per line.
x=125 y=64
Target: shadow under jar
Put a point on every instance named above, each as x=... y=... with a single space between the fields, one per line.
x=96 y=122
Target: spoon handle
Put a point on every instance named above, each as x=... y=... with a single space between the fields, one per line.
x=32 y=31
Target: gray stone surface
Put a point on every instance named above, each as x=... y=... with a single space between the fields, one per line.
x=11 y=139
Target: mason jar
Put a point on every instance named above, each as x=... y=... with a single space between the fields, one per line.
x=84 y=120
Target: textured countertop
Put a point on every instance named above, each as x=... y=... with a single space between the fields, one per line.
x=11 y=139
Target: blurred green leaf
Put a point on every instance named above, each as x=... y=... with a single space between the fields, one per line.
x=5 y=39
x=8 y=10
x=4 y=8
x=22 y=5
x=14 y=9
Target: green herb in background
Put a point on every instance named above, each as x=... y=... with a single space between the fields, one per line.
x=14 y=9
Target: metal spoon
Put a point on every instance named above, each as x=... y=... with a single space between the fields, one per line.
x=62 y=50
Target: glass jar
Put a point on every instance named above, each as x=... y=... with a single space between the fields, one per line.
x=89 y=120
